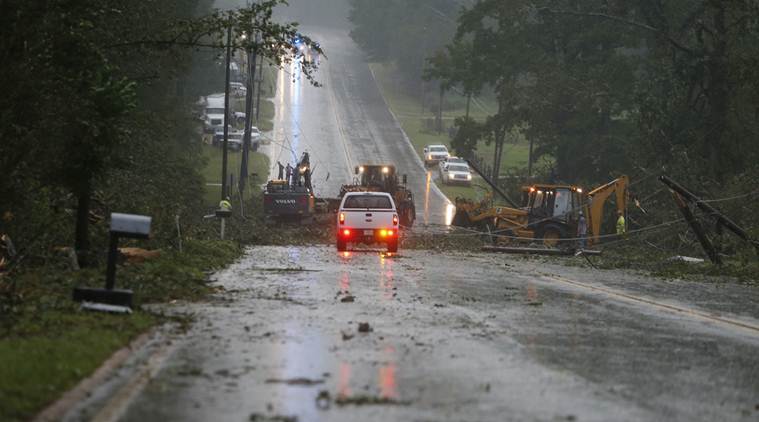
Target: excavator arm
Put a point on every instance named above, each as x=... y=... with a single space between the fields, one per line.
x=598 y=198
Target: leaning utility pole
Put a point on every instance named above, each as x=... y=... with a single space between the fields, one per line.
x=226 y=116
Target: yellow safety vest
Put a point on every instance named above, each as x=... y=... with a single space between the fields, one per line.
x=621 y=225
x=225 y=205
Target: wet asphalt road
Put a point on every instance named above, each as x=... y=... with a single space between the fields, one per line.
x=345 y=123
x=495 y=339
x=455 y=337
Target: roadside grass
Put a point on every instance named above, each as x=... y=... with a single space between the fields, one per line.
x=266 y=122
x=476 y=191
x=47 y=344
x=50 y=353
x=407 y=109
x=258 y=165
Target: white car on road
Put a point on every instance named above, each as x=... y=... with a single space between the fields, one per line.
x=367 y=217
x=452 y=159
x=455 y=173
x=434 y=154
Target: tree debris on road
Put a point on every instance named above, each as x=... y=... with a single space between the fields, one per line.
x=295 y=381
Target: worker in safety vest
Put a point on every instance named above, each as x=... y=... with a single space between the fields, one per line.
x=621 y=227
x=225 y=205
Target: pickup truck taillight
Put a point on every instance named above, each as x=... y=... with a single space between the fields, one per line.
x=342 y=218
x=395 y=219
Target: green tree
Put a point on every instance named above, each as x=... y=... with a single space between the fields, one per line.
x=78 y=76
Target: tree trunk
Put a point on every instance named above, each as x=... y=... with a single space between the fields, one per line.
x=529 y=160
x=440 y=111
x=468 y=101
x=82 y=234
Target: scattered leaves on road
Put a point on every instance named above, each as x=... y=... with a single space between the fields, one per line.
x=257 y=417
x=363 y=400
x=284 y=270
x=295 y=381
x=323 y=400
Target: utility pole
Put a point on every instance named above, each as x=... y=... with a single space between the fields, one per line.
x=250 y=84
x=258 y=92
x=226 y=116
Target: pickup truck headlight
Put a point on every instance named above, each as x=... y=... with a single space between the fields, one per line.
x=468 y=177
x=451 y=176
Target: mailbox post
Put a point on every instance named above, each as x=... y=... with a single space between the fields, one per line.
x=223 y=214
x=110 y=298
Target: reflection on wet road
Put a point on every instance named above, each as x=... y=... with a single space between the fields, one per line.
x=344 y=123
x=449 y=337
x=445 y=341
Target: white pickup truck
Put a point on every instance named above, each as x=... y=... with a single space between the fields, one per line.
x=367 y=217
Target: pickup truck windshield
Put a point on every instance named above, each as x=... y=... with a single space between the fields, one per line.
x=438 y=149
x=458 y=168
x=368 y=201
x=214 y=111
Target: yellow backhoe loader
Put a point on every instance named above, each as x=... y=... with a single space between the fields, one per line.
x=548 y=212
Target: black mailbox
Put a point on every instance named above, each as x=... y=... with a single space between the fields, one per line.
x=112 y=299
x=130 y=225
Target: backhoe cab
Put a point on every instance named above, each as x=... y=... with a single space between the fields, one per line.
x=553 y=211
